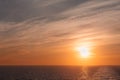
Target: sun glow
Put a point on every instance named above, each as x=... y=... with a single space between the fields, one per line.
x=84 y=51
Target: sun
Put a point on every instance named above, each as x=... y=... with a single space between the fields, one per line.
x=84 y=51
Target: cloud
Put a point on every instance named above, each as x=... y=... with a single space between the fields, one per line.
x=28 y=24
x=26 y=9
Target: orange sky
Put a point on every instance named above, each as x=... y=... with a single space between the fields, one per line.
x=43 y=32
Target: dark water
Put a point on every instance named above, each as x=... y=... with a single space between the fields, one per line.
x=59 y=73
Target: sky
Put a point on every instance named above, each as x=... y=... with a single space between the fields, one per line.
x=46 y=32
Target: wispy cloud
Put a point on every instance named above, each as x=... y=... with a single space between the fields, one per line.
x=28 y=24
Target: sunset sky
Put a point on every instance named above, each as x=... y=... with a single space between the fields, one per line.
x=47 y=32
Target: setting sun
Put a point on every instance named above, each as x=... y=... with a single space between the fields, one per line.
x=84 y=51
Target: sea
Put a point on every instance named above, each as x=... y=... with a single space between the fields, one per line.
x=59 y=73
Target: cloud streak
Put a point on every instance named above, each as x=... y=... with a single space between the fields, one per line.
x=39 y=24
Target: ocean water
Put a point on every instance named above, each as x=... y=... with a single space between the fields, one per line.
x=59 y=73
